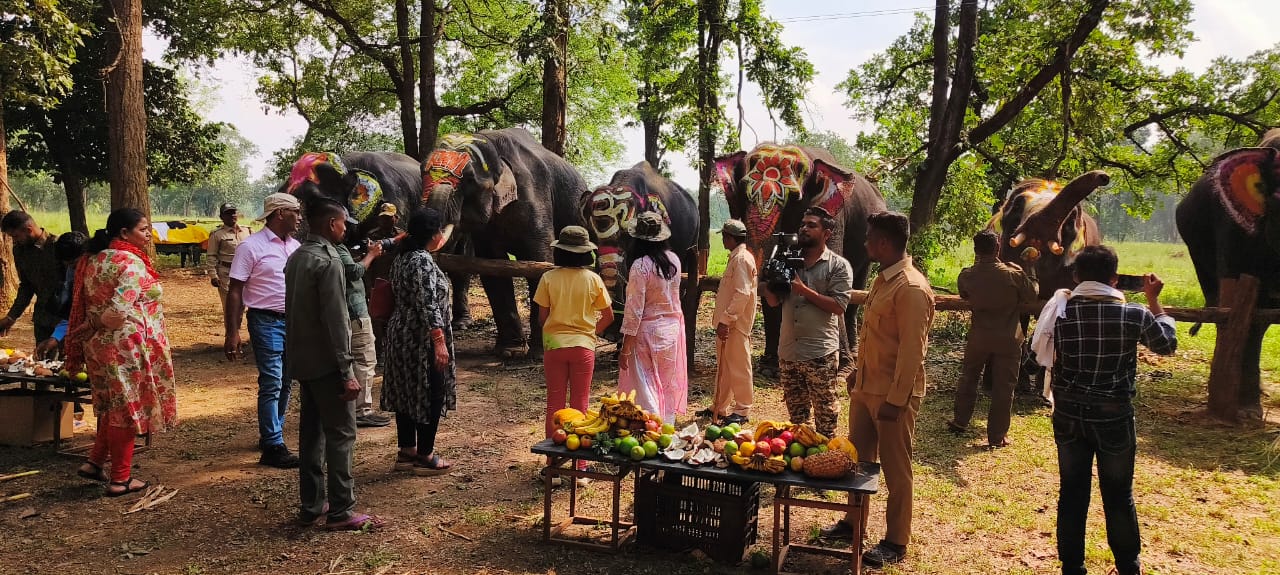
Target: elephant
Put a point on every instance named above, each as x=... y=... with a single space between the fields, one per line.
x=1042 y=227
x=605 y=210
x=360 y=181
x=501 y=193
x=770 y=187
x=1230 y=221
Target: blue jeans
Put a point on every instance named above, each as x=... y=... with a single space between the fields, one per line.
x=267 y=332
x=1104 y=428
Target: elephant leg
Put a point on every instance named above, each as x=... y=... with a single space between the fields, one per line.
x=535 y=328
x=848 y=336
x=506 y=316
x=768 y=366
x=1250 y=390
x=461 y=306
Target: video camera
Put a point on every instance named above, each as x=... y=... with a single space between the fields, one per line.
x=784 y=261
x=359 y=249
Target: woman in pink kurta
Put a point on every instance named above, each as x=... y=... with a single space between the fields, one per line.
x=653 y=357
x=116 y=331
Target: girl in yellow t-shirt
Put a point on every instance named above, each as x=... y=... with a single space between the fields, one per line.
x=573 y=307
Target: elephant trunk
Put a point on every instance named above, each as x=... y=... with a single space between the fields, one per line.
x=1043 y=228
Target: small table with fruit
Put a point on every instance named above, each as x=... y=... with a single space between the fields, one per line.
x=22 y=373
x=781 y=454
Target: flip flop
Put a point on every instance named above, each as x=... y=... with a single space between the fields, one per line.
x=127 y=490
x=96 y=475
x=357 y=522
x=431 y=465
x=404 y=462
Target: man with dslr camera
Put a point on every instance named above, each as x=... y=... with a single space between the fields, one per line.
x=809 y=341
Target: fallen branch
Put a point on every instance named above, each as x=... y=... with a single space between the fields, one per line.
x=152 y=497
x=454 y=533
x=15 y=497
x=17 y=475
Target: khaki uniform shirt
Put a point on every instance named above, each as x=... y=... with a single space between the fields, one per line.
x=736 y=297
x=895 y=334
x=317 y=327
x=222 y=249
x=995 y=291
x=807 y=331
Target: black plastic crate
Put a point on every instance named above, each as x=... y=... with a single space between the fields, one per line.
x=678 y=511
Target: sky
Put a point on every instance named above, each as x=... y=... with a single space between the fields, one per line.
x=836 y=35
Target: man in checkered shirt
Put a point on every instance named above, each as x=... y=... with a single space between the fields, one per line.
x=1095 y=361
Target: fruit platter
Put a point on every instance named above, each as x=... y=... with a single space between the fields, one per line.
x=18 y=364
x=621 y=429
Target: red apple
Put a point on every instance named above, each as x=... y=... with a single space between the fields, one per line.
x=777 y=446
x=652 y=425
x=786 y=437
x=559 y=436
x=763 y=447
x=585 y=442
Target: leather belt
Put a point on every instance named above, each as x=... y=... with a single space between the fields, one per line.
x=267 y=312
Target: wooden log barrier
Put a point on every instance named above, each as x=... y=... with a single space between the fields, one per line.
x=512 y=268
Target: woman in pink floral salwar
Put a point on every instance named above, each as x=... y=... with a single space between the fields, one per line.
x=116 y=332
x=652 y=361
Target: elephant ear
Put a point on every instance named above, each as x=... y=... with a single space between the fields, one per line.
x=727 y=168
x=366 y=194
x=835 y=186
x=504 y=190
x=1241 y=179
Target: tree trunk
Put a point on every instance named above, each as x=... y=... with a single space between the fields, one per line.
x=8 y=274
x=430 y=126
x=73 y=184
x=126 y=111
x=408 y=121
x=650 y=122
x=554 y=80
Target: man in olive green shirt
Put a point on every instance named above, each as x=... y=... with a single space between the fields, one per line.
x=362 y=338
x=318 y=351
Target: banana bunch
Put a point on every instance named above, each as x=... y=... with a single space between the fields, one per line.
x=593 y=423
x=767 y=430
x=623 y=407
x=652 y=436
x=761 y=462
x=808 y=436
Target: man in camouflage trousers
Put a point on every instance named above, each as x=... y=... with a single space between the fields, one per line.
x=809 y=341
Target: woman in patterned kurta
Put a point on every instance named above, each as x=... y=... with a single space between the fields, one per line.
x=653 y=357
x=418 y=383
x=117 y=332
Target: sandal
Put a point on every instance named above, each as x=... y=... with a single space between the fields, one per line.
x=128 y=487
x=404 y=462
x=431 y=465
x=96 y=475
x=357 y=522
x=316 y=521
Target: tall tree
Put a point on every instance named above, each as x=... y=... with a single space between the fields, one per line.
x=37 y=47
x=712 y=31
x=555 y=85
x=126 y=109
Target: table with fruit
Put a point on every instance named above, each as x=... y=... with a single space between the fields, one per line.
x=18 y=366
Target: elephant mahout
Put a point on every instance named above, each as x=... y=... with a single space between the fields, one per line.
x=606 y=210
x=770 y=187
x=501 y=194
x=1230 y=221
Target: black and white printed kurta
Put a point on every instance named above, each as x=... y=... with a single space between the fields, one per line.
x=411 y=381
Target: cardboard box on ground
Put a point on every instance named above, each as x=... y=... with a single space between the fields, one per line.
x=28 y=417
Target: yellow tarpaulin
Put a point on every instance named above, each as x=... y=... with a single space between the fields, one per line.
x=192 y=234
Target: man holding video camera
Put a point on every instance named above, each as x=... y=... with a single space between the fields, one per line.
x=812 y=304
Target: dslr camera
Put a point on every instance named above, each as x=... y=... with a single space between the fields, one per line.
x=784 y=262
x=361 y=248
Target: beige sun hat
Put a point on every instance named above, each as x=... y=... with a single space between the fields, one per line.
x=574 y=239
x=277 y=201
x=734 y=228
x=648 y=226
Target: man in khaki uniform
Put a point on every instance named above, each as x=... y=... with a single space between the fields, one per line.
x=734 y=315
x=995 y=290
x=889 y=381
x=222 y=249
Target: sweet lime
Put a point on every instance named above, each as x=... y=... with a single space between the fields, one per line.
x=668 y=429
x=727 y=433
x=650 y=449
x=664 y=441
x=713 y=432
x=730 y=448
x=637 y=453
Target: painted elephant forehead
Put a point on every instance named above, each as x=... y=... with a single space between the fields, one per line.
x=366 y=195
x=611 y=206
x=775 y=173
x=1241 y=181
x=305 y=168
x=442 y=166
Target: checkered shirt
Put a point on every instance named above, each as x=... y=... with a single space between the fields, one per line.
x=1096 y=346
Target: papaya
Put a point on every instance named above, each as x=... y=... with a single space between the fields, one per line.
x=559 y=418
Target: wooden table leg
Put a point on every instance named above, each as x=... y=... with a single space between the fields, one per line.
x=859 y=532
x=546 y=502
x=779 y=492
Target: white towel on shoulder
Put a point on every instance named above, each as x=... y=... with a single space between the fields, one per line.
x=1056 y=307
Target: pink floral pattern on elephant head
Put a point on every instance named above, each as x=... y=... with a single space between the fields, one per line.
x=608 y=210
x=1242 y=180
x=774 y=175
x=305 y=168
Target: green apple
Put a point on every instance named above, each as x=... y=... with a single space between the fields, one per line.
x=668 y=429
x=795 y=449
x=82 y=377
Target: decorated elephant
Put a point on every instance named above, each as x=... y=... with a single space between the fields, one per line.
x=501 y=194
x=1230 y=221
x=1042 y=227
x=361 y=181
x=605 y=211
x=770 y=187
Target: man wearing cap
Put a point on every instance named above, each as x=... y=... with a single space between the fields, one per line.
x=362 y=338
x=222 y=249
x=380 y=267
x=257 y=283
x=734 y=315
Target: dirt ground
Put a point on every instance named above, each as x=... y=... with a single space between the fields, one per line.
x=232 y=515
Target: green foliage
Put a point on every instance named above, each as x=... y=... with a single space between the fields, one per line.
x=227 y=182
x=1153 y=131
x=38 y=43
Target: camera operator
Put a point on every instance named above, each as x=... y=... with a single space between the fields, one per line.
x=809 y=342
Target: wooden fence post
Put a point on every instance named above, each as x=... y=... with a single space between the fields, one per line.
x=1228 y=351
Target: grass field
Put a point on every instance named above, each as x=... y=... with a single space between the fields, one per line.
x=59 y=222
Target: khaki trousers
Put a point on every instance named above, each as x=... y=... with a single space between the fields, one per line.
x=733 y=375
x=365 y=360
x=1002 y=359
x=890 y=442
x=224 y=284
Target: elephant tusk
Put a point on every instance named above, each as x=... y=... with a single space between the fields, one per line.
x=1056 y=248
x=446 y=232
x=1017 y=240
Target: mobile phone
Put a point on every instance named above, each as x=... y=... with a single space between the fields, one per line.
x=1130 y=283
